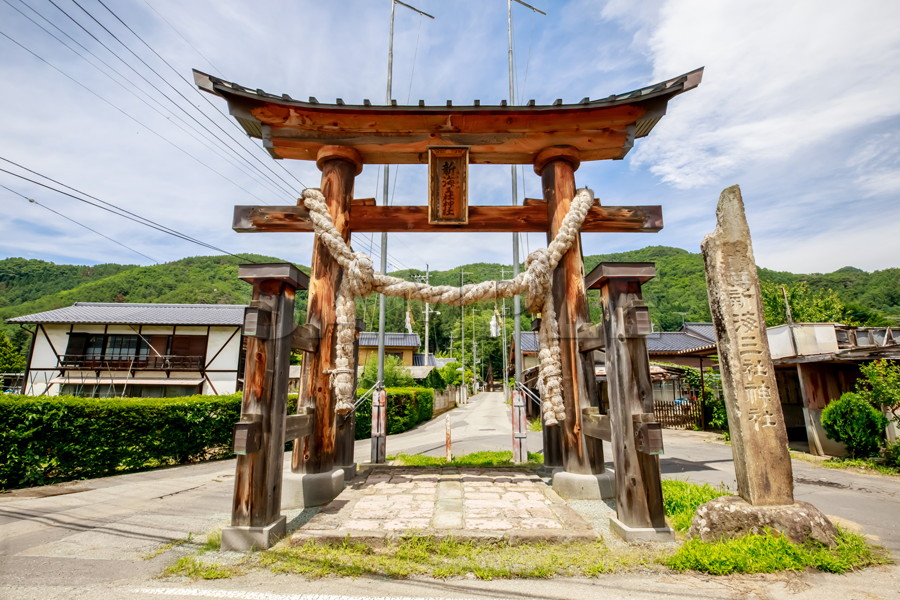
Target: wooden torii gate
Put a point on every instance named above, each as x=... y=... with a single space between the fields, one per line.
x=341 y=138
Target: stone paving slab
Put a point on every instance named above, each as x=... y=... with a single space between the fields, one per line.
x=460 y=502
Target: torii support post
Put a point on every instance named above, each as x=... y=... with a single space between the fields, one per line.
x=635 y=435
x=585 y=475
x=256 y=520
x=316 y=479
x=346 y=424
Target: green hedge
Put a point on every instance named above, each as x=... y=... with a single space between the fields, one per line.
x=407 y=407
x=47 y=439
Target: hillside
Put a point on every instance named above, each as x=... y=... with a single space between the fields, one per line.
x=675 y=295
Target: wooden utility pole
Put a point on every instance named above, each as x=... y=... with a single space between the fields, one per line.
x=581 y=455
x=256 y=520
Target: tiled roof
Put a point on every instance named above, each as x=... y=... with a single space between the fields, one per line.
x=123 y=313
x=393 y=340
x=670 y=342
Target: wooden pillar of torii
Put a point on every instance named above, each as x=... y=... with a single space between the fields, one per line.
x=316 y=478
x=585 y=475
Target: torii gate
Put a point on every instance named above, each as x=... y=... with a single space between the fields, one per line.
x=341 y=138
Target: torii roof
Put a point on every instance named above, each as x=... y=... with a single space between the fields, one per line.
x=498 y=134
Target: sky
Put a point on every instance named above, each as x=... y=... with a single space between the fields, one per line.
x=798 y=105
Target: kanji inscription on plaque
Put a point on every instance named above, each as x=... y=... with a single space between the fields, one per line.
x=448 y=189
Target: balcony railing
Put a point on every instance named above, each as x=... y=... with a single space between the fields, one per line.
x=169 y=362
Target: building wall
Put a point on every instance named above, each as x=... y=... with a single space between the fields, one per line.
x=221 y=376
x=405 y=354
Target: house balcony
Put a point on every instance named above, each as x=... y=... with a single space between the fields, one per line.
x=167 y=362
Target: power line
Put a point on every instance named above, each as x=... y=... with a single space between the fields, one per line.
x=147 y=81
x=195 y=133
x=33 y=201
x=174 y=70
x=147 y=127
x=177 y=31
x=114 y=209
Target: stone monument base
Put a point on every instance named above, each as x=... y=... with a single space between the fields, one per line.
x=311 y=489
x=641 y=534
x=577 y=486
x=732 y=516
x=246 y=538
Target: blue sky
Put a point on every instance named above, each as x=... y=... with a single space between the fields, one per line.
x=798 y=105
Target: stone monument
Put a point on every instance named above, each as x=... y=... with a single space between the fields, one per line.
x=758 y=436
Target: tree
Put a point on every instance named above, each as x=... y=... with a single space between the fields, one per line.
x=880 y=386
x=394 y=373
x=856 y=423
x=807 y=305
x=10 y=360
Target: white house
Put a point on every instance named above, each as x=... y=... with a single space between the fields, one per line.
x=94 y=349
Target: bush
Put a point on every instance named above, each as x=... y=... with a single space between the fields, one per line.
x=47 y=439
x=406 y=408
x=856 y=423
x=395 y=374
x=891 y=455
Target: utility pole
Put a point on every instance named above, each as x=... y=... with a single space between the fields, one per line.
x=474 y=354
x=425 y=279
x=517 y=300
x=503 y=341
x=462 y=343
x=386 y=190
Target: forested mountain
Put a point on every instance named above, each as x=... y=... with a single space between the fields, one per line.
x=675 y=295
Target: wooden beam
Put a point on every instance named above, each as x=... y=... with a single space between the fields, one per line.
x=503 y=219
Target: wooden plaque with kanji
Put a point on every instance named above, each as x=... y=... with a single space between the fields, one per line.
x=448 y=189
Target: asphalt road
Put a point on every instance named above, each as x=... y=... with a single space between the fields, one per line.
x=109 y=538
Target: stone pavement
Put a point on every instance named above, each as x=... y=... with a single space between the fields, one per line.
x=462 y=502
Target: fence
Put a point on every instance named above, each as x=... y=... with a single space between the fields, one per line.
x=675 y=406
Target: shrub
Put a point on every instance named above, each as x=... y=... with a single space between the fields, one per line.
x=880 y=386
x=856 y=423
x=406 y=408
x=47 y=439
x=891 y=455
x=395 y=375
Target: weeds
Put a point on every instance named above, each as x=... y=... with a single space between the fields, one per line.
x=770 y=552
x=866 y=465
x=162 y=548
x=447 y=557
x=681 y=500
x=193 y=567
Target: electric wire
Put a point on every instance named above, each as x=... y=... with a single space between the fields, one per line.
x=147 y=127
x=178 y=32
x=190 y=85
x=175 y=103
x=125 y=214
x=168 y=115
x=33 y=201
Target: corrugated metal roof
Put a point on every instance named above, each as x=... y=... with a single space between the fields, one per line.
x=705 y=330
x=369 y=339
x=530 y=341
x=123 y=313
x=420 y=359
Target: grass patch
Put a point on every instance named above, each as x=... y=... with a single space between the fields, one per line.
x=441 y=558
x=866 y=465
x=681 y=500
x=535 y=425
x=193 y=567
x=770 y=552
x=476 y=459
